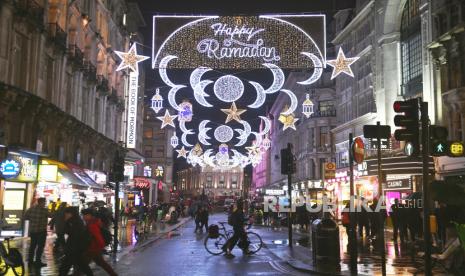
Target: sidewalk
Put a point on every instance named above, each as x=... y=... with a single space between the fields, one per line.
x=127 y=239
x=399 y=260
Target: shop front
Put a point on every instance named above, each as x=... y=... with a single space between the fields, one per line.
x=19 y=175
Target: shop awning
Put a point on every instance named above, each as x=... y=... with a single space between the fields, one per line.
x=83 y=176
x=65 y=175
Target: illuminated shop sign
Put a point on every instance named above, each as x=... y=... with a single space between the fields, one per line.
x=48 y=173
x=131 y=138
x=274 y=192
x=27 y=164
x=239 y=42
x=10 y=168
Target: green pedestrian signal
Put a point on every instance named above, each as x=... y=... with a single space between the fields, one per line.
x=438 y=141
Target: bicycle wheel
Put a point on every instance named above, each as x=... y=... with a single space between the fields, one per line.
x=3 y=267
x=215 y=246
x=19 y=270
x=255 y=242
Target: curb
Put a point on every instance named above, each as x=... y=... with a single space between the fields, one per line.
x=151 y=239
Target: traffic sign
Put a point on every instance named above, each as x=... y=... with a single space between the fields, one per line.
x=376 y=131
x=358 y=150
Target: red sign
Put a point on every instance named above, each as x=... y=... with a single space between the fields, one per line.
x=142 y=183
x=358 y=150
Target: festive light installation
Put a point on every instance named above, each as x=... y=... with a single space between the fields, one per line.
x=233 y=113
x=289 y=122
x=243 y=134
x=167 y=119
x=278 y=78
x=228 y=88
x=186 y=112
x=294 y=102
x=185 y=132
x=223 y=134
x=203 y=137
x=197 y=150
x=223 y=148
x=130 y=59
x=266 y=143
x=174 y=141
x=199 y=86
x=261 y=96
x=157 y=102
x=182 y=152
x=267 y=127
x=307 y=106
x=318 y=69
x=341 y=64
x=162 y=70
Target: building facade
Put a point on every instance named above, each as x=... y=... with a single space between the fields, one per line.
x=215 y=183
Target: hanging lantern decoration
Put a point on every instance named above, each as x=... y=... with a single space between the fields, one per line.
x=266 y=143
x=157 y=101
x=174 y=140
x=307 y=106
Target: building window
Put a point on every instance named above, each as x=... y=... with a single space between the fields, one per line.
x=234 y=182
x=411 y=49
x=221 y=183
x=209 y=183
x=147 y=171
x=324 y=136
x=148 y=151
x=148 y=133
x=326 y=108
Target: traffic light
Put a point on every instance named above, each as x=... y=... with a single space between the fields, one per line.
x=438 y=140
x=287 y=161
x=409 y=122
x=117 y=170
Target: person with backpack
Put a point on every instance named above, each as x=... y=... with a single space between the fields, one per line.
x=76 y=244
x=97 y=244
x=236 y=220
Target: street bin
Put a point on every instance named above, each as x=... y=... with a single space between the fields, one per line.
x=325 y=241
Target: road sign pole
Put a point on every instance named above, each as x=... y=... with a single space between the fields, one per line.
x=425 y=199
x=352 y=214
x=380 y=197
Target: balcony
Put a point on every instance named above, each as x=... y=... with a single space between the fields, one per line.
x=90 y=72
x=102 y=85
x=76 y=56
x=57 y=35
x=325 y=113
x=30 y=10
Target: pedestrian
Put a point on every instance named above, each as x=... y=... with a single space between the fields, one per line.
x=237 y=221
x=95 y=250
x=198 y=219
x=38 y=217
x=76 y=244
x=59 y=223
x=125 y=215
x=204 y=218
x=363 y=219
x=345 y=214
x=398 y=221
x=413 y=220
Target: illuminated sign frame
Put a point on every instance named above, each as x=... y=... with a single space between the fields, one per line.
x=10 y=168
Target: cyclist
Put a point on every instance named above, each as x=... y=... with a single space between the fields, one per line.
x=236 y=220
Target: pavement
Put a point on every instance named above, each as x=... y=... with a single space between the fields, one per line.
x=177 y=250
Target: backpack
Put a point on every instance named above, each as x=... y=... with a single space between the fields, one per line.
x=213 y=231
x=345 y=218
x=106 y=235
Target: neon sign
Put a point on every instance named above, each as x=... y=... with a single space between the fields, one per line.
x=10 y=168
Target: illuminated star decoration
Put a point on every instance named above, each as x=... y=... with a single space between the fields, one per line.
x=182 y=152
x=233 y=113
x=289 y=122
x=167 y=119
x=130 y=59
x=197 y=150
x=341 y=64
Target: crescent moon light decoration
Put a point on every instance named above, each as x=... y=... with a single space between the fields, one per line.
x=267 y=126
x=261 y=96
x=294 y=102
x=172 y=97
x=318 y=69
x=203 y=132
x=243 y=134
x=162 y=70
x=278 y=78
x=185 y=132
x=199 y=86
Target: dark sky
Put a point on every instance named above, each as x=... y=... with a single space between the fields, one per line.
x=222 y=7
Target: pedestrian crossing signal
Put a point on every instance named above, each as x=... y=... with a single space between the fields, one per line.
x=438 y=137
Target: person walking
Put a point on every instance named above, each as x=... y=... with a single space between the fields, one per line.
x=76 y=244
x=198 y=219
x=59 y=225
x=398 y=221
x=95 y=250
x=38 y=217
x=237 y=220
x=363 y=220
x=204 y=218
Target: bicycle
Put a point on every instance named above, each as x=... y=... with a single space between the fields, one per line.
x=214 y=246
x=10 y=258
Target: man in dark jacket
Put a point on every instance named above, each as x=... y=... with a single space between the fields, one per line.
x=237 y=221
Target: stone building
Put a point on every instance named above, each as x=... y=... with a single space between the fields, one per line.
x=214 y=182
x=61 y=95
x=312 y=141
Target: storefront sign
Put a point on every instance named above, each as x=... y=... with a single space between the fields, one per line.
x=398 y=184
x=132 y=110
x=129 y=171
x=330 y=170
x=317 y=184
x=13 y=210
x=142 y=183
x=362 y=169
x=48 y=173
x=28 y=165
x=10 y=168
x=274 y=192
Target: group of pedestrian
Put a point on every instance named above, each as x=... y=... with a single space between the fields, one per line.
x=84 y=242
x=406 y=221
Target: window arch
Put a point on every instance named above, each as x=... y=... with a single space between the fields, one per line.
x=411 y=49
